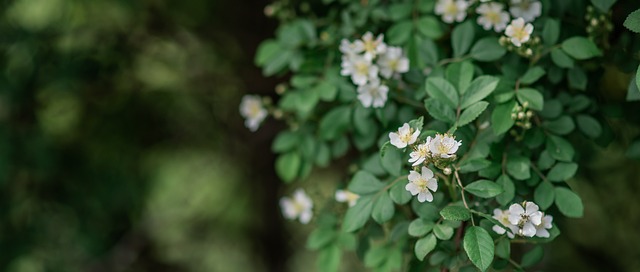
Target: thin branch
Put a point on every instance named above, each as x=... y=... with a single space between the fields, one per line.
x=464 y=201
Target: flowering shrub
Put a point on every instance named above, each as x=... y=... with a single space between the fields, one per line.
x=461 y=114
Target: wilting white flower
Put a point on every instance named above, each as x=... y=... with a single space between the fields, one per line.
x=373 y=94
x=444 y=146
x=528 y=10
x=360 y=69
x=545 y=224
x=346 y=196
x=405 y=136
x=252 y=110
x=393 y=61
x=420 y=184
x=526 y=218
x=503 y=218
x=452 y=10
x=492 y=15
x=369 y=46
x=297 y=207
x=518 y=32
x=347 y=48
x=421 y=153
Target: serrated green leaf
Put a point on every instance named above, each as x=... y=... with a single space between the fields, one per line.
x=460 y=75
x=518 y=167
x=440 y=89
x=420 y=227
x=580 y=48
x=364 y=183
x=545 y=161
x=359 y=214
x=472 y=112
x=532 y=96
x=633 y=22
x=479 y=88
x=603 y=5
x=568 y=202
x=455 y=213
x=473 y=165
x=479 y=247
x=443 y=232
x=424 y=246
x=430 y=27
x=440 y=111
x=559 y=148
x=509 y=190
x=461 y=38
x=383 y=208
x=544 y=195
x=562 y=171
x=532 y=75
x=484 y=188
x=487 y=49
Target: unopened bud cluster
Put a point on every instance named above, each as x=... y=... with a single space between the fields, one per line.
x=526 y=50
x=599 y=25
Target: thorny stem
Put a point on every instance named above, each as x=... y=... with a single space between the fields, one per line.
x=464 y=201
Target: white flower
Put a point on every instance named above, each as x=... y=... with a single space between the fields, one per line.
x=452 y=10
x=393 y=61
x=297 y=207
x=420 y=184
x=526 y=9
x=526 y=218
x=503 y=218
x=492 y=15
x=360 y=69
x=252 y=110
x=347 y=48
x=369 y=46
x=518 y=32
x=346 y=196
x=405 y=136
x=421 y=153
x=373 y=94
x=541 y=229
x=444 y=146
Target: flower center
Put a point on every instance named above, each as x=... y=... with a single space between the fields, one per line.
x=393 y=64
x=519 y=33
x=407 y=136
x=370 y=46
x=362 y=68
x=493 y=17
x=254 y=110
x=451 y=9
x=421 y=183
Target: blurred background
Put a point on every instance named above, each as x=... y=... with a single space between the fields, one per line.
x=121 y=147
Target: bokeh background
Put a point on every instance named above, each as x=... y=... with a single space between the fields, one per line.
x=121 y=147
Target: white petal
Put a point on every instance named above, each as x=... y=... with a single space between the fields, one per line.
x=498 y=229
x=432 y=184
x=427 y=173
x=528 y=230
x=531 y=208
x=425 y=196
x=414 y=176
x=412 y=188
x=341 y=196
x=394 y=138
x=542 y=233
x=305 y=216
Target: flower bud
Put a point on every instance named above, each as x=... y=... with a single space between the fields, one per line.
x=281 y=88
x=269 y=10
x=529 y=114
x=447 y=171
x=520 y=115
x=277 y=114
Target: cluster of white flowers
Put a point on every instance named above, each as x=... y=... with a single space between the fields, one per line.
x=347 y=196
x=367 y=58
x=518 y=32
x=252 y=110
x=299 y=206
x=438 y=149
x=523 y=220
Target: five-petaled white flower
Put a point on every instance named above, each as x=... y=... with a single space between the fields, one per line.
x=347 y=48
x=545 y=223
x=252 y=110
x=369 y=46
x=373 y=94
x=518 y=32
x=492 y=15
x=528 y=10
x=421 y=153
x=444 y=146
x=360 y=68
x=503 y=218
x=297 y=207
x=347 y=196
x=420 y=184
x=452 y=10
x=526 y=218
x=404 y=136
x=393 y=61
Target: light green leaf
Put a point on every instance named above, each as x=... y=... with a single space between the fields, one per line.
x=532 y=257
x=473 y=165
x=559 y=148
x=420 y=227
x=285 y=141
x=460 y=75
x=440 y=111
x=479 y=247
x=359 y=214
x=589 y=126
x=399 y=33
x=487 y=49
x=267 y=50
x=544 y=195
x=439 y=88
x=326 y=91
x=545 y=161
x=562 y=171
x=329 y=259
x=561 y=59
x=424 y=246
x=399 y=11
x=509 y=190
x=376 y=256
x=288 y=166
x=484 y=188
x=633 y=22
x=580 y=48
x=462 y=37
x=320 y=237
x=503 y=249
x=551 y=32
x=480 y=88
x=577 y=78
x=532 y=75
x=364 y=183
x=335 y=122
x=638 y=76
x=455 y=213
x=569 y=203
x=429 y=26
x=532 y=96
x=383 y=208
x=392 y=161
x=471 y=113
x=518 y=167
x=443 y=232
x=561 y=126
x=603 y=5
x=399 y=194
x=501 y=117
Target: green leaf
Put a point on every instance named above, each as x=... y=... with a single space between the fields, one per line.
x=551 y=32
x=364 y=183
x=359 y=214
x=455 y=213
x=326 y=91
x=487 y=49
x=440 y=111
x=561 y=59
x=471 y=113
x=335 y=122
x=460 y=75
x=399 y=33
x=479 y=247
x=383 y=208
x=323 y=155
x=633 y=151
x=532 y=96
x=501 y=117
x=288 y=166
x=589 y=126
x=562 y=171
x=638 y=77
x=473 y=165
x=561 y=126
x=461 y=38
x=569 y=203
x=603 y=5
x=429 y=26
x=424 y=246
x=329 y=259
x=443 y=232
x=580 y=48
x=559 y=148
x=532 y=257
x=503 y=249
x=509 y=190
x=285 y=141
x=544 y=195
x=277 y=62
x=577 y=78
x=399 y=11
x=420 y=227
x=439 y=88
x=532 y=75
x=545 y=161
x=320 y=237
x=480 y=88
x=266 y=51
x=392 y=161
x=376 y=256
x=484 y=188
x=633 y=22
x=399 y=194
x=518 y=167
